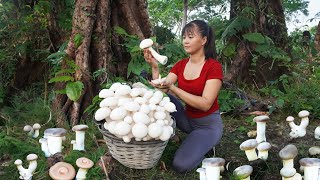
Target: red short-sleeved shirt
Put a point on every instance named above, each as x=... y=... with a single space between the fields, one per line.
x=212 y=69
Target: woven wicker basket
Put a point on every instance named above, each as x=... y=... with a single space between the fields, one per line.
x=136 y=154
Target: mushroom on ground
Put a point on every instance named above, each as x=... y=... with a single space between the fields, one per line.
x=212 y=167
x=287 y=173
x=314 y=150
x=29 y=129
x=263 y=149
x=36 y=127
x=304 y=118
x=249 y=146
x=84 y=165
x=62 y=171
x=54 y=138
x=261 y=127
x=44 y=146
x=311 y=168
x=26 y=174
x=202 y=173
x=80 y=137
x=287 y=154
x=147 y=43
x=317 y=133
x=243 y=172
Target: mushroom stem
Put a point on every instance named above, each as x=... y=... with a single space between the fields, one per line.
x=44 y=146
x=213 y=173
x=202 y=173
x=251 y=154
x=162 y=59
x=81 y=174
x=304 y=122
x=54 y=144
x=80 y=135
x=261 y=129
x=288 y=163
x=311 y=173
x=263 y=154
x=32 y=166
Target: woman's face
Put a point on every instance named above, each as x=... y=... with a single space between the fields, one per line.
x=193 y=42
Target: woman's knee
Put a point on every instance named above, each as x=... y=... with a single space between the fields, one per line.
x=180 y=166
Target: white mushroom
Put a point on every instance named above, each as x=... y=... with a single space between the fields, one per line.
x=311 y=168
x=27 y=173
x=44 y=146
x=122 y=128
x=249 y=146
x=243 y=172
x=287 y=173
x=104 y=93
x=147 y=43
x=315 y=150
x=36 y=127
x=109 y=102
x=263 y=149
x=29 y=129
x=261 y=127
x=155 y=130
x=118 y=114
x=202 y=173
x=80 y=136
x=139 y=130
x=84 y=165
x=166 y=133
x=287 y=154
x=317 y=133
x=212 y=167
x=304 y=118
x=140 y=117
x=170 y=107
x=102 y=113
x=54 y=138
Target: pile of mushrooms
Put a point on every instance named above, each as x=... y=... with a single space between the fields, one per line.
x=299 y=131
x=136 y=112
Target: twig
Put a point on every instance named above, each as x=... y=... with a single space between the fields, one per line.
x=104 y=168
x=50 y=117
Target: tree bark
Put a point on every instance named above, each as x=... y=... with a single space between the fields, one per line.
x=268 y=19
x=317 y=38
x=95 y=21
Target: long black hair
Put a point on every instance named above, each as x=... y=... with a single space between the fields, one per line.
x=205 y=31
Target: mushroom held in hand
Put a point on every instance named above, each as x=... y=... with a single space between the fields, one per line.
x=261 y=127
x=84 y=164
x=147 y=43
x=80 y=137
x=287 y=154
x=62 y=171
x=249 y=146
x=243 y=172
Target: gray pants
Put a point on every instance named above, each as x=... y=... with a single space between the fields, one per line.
x=203 y=134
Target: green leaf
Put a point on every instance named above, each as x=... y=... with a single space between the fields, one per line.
x=77 y=40
x=61 y=79
x=254 y=37
x=61 y=91
x=74 y=90
x=229 y=50
x=67 y=71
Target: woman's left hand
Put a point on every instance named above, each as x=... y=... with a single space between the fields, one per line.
x=165 y=86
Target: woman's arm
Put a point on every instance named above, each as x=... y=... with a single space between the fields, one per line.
x=204 y=102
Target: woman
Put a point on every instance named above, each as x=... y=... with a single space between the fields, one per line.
x=199 y=79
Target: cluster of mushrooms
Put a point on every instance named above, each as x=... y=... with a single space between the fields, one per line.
x=135 y=112
x=258 y=149
x=51 y=144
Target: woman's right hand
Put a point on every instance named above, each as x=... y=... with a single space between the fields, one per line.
x=149 y=58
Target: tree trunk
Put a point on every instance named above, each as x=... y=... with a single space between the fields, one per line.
x=317 y=38
x=268 y=19
x=97 y=19
x=185 y=13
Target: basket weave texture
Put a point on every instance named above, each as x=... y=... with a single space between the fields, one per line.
x=136 y=154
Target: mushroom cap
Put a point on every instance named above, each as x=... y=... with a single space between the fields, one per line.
x=213 y=162
x=262 y=118
x=243 y=171
x=288 y=172
x=36 y=126
x=84 y=163
x=18 y=162
x=303 y=113
x=264 y=146
x=32 y=157
x=27 y=128
x=80 y=127
x=288 y=152
x=62 y=171
x=56 y=132
x=145 y=43
x=290 y=119
x=309 y=162
x=249 y=144
x=314 y=150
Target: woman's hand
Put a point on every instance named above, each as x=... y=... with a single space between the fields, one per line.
x=164 y=87
x=149 y=58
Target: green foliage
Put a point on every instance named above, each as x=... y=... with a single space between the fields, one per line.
x=228 y=101
x=74 y=89
x=239 y=23
x=77 y=40
x=294 y=7
x=254 y=37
